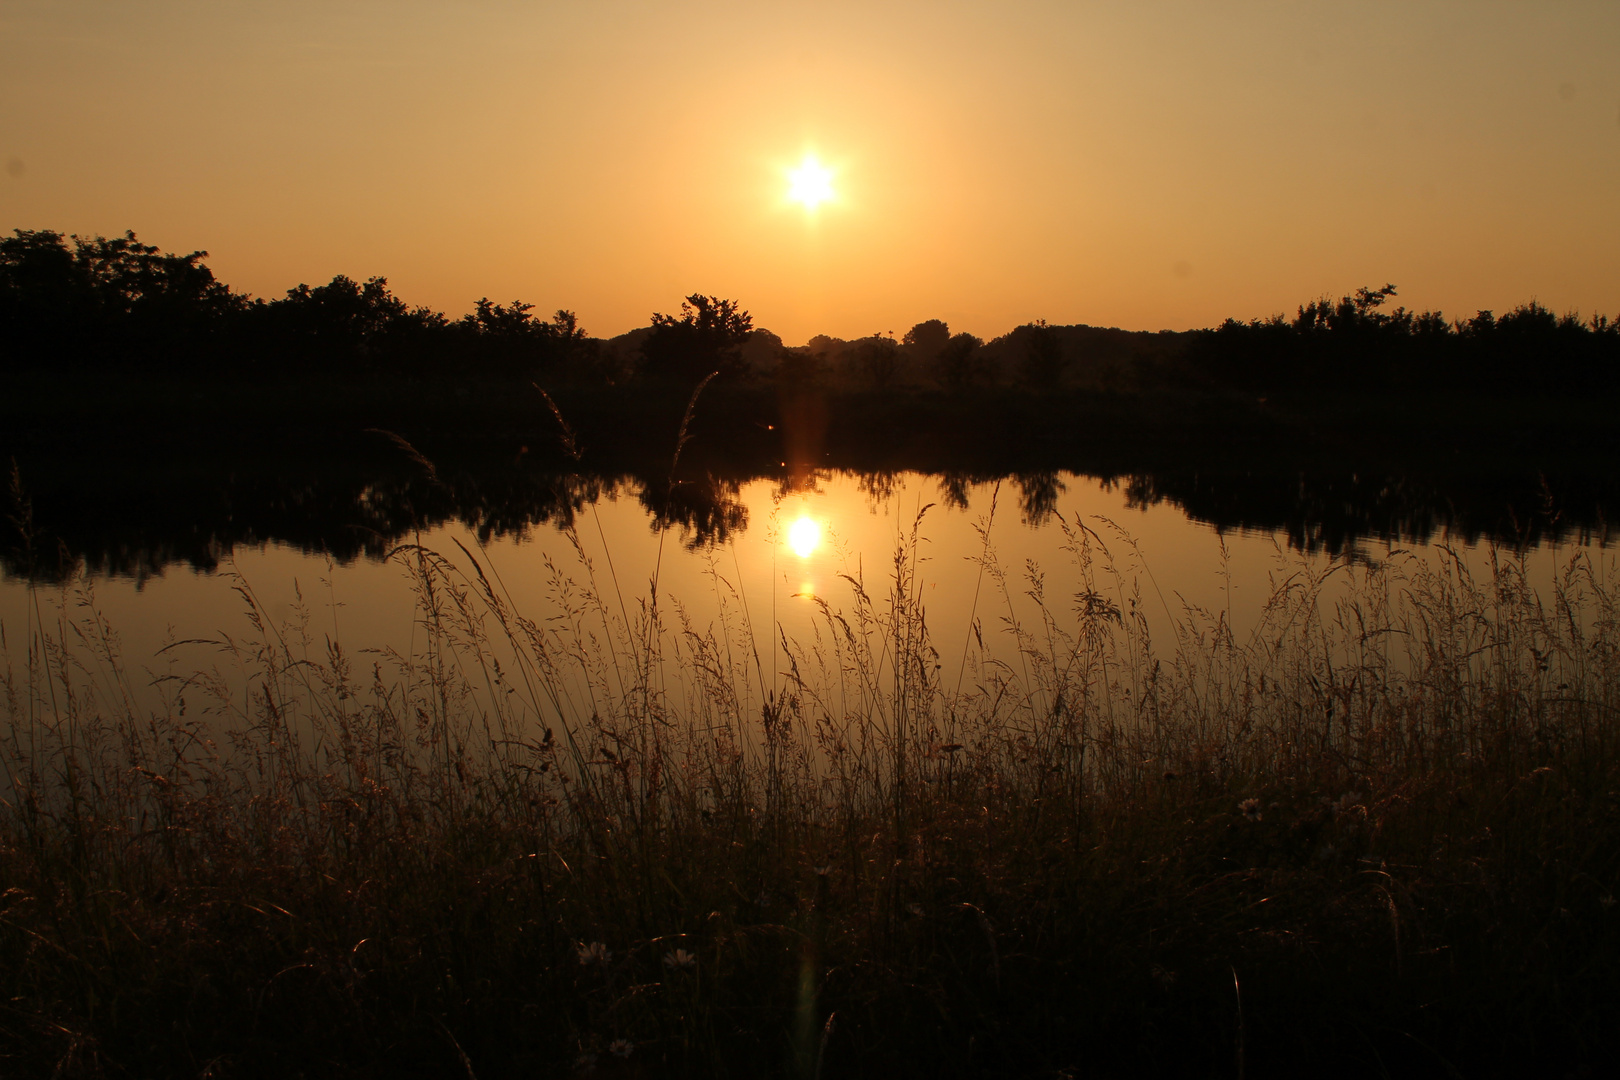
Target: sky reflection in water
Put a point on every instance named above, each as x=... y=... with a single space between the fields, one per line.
x=986 y=564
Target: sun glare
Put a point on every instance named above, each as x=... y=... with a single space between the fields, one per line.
x=804 y=536
x=810 y=184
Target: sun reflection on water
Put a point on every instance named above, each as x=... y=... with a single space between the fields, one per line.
x=804 y=536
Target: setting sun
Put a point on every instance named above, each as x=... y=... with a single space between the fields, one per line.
x=804 y=536
x=810 y=184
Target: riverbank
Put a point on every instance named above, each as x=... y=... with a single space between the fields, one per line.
x=129 y=474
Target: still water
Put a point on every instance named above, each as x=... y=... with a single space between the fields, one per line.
x=984 y=557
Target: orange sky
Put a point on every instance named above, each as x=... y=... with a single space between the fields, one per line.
x=1142 y=164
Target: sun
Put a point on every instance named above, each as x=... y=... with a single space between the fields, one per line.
x=810 y=184
x=804 y=536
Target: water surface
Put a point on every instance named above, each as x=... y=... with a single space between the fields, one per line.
x=750 y=559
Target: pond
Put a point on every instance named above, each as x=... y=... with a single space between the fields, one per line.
x=763 y=564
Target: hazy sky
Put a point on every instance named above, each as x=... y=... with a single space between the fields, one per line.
x=1138 y=164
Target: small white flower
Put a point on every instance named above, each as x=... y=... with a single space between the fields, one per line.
x=594 y=953
x=621 y=1048
x=680 y=960
x=1250 y=808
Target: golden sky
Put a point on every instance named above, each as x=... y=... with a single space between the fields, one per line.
x=1146 y=165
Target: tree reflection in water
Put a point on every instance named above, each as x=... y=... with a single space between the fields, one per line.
x=138 y=517
x=707 y=510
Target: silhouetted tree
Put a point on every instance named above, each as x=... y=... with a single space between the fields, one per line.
x=1353 y=343
x=115 y=300
x=490 y=319
x=350 y=324
x=926 y=339
x=802 y=368
x=1042 y=362
x=876 y=361
x=510 y=340
x=708 y=335
x=105 y=299
x=958 y=365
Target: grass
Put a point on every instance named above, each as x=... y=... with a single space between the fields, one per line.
x=1377 y=835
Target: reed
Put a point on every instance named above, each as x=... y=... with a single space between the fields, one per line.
x=1378 y=833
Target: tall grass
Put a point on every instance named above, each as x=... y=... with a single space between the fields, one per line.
x=1378 y=832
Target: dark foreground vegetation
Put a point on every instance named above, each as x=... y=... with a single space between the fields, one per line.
x=1380 y=835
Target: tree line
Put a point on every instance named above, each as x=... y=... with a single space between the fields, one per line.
x=75 y=302
x=70 y=302
x=1356 y=343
